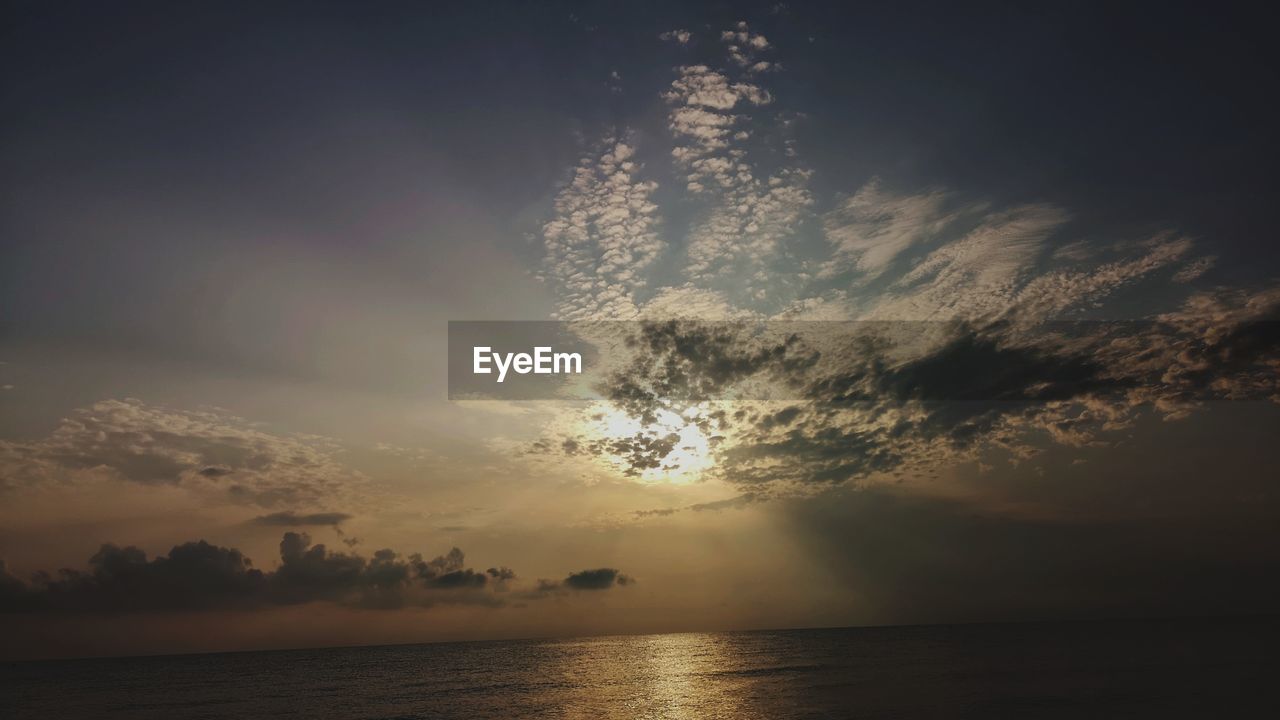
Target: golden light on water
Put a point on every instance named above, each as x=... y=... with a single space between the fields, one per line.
x=678 y=676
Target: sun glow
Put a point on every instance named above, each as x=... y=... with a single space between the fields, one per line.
x=685 y=463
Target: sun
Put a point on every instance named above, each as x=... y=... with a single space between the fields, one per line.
x=685 y=464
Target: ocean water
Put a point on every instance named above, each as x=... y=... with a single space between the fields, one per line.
x=1070 y=670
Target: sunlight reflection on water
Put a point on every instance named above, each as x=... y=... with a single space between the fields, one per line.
x=1163 y=669
x=657 y=676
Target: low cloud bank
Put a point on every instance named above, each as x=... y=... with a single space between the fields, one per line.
x=200 y=576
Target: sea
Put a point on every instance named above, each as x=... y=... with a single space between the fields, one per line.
x=1114 y=669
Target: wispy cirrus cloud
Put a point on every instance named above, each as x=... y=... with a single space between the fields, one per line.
x=870 y=229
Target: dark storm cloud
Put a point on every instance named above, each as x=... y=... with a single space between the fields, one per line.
x=201 y=576
x=293 y=519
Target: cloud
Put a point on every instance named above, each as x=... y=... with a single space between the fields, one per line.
x=501 y=573
x=747 y=214
x=201 y=576
x=700 y=87
x=1194 y=269
x=976 y=275
x=193 y=576
x=692 y=302
x=10 y=586
x=603 y=236
x=208 y=451
x=872 y=228
x=293 y=519
x=744 y=45
x=1055 y=292
x=597 y=579
x=734 y=503
x=807 y=404
x=658 y=512
x=673 y=364
x=961 y=341
x=679 y=36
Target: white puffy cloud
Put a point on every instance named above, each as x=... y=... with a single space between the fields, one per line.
x=743 y=46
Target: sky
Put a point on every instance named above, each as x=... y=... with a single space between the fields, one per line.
x=936 y=314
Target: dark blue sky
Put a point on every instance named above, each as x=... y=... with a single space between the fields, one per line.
x=1157 y=115
x=152 y=153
